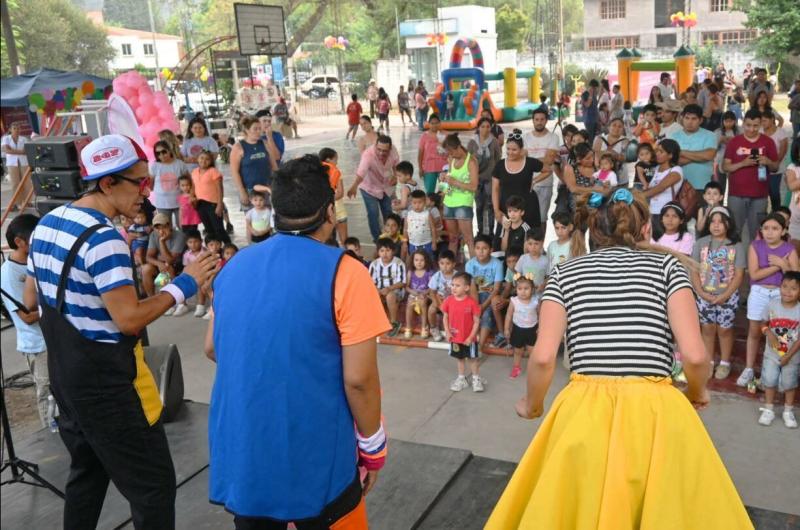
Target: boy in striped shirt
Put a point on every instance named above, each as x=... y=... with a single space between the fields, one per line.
x=388 y=273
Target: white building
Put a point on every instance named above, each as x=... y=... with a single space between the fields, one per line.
x=475 y=22
x=136 y=47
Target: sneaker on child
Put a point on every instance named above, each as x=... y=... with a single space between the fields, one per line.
x=499 y=341
x=180 y=310
x=722 y=371
x=746 y=376
x=767 y=415
x=477 y=383
x=169 y=311
x=199 y=311
x=459 y=384
x=515 y=372
x=788 y=419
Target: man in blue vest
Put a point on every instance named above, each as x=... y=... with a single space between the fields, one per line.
x=296 y=406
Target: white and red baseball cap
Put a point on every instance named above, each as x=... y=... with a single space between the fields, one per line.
x=109 y=154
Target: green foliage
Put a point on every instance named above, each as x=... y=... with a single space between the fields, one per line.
x=705 y=56
x=130 y=14
x=56 y=34
x=225 y=89
x=5 y=66
x=778 y=24
x=594 y=73
x=512 y=28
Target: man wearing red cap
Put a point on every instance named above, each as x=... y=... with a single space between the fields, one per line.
x=91 y=318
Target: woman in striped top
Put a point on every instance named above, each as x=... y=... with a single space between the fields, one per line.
x=621 y=447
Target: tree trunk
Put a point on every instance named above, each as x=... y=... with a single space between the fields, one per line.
x=304 y=29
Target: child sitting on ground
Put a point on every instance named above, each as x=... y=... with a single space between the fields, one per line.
x=139 y=235
x=780 y=324
x=534 y=263
x=392 y=230
x=258 y=218
x=194 y=247
x=187 y=201
x=30 y=341
x=521 y=322
x=420 y=228
x=487 y=275
x=514 y=227
x=417 y=290
x=501 y=300
x=605 y=176
x=462 y=316
x=406 y=185
x=388 y=274
x=353 y=244
x=330 y=159
x=712 y=197
x=440 y=286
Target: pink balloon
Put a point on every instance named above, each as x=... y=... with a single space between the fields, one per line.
x=161 y=99
x=141 y=114
x=145 y=99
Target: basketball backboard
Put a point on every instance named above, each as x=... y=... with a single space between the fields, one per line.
x=260 y=29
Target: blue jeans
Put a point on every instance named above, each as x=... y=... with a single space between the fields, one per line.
x=421 y=117
x=375 y=206
x=775 y=190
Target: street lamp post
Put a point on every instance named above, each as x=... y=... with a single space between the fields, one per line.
x=155 y=48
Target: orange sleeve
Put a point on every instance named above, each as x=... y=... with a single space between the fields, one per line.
x=359 y=310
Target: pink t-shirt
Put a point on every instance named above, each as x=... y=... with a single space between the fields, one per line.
x=434 y=157
x=189 y=215
x=191 y=257
x=376 y=175
x=684 y=246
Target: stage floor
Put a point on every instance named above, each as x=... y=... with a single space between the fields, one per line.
x=422 y=486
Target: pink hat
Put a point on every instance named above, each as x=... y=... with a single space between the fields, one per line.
x=109 y=154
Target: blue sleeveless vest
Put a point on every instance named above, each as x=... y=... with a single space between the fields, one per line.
x=281 y=435
x=255 y=168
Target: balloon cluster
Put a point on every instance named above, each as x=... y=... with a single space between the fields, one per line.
x=684 y=20
x=437 y=39
x=166 y=74
x=152 y=109
x=332 y=42
x=48 y=101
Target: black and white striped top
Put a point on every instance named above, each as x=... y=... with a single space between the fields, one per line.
x=616 y=303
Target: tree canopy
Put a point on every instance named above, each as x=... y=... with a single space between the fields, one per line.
x=778 y=24
x=56 y=34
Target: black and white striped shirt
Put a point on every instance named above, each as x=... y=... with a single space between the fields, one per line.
x=386 y=275
x=616 y=303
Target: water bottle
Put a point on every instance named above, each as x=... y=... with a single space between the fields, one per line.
x=444 y=187
x=52 y=413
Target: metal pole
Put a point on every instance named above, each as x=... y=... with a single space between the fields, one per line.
x=11 y=45
x=155 y=47
x=561 y=71
x=214 y=71
x=397 y=28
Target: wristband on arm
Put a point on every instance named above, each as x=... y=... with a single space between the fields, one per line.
x=372 y=450
x=181 y=288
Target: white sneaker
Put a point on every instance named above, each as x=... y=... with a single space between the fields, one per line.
x=459 y=384
x=745 y=377
x=180 y=310
x=436 y=335
x=207 y=316
x=767 y=415
x=477 y=383
x=200 y=310
x=789 y=420
x=169 y=311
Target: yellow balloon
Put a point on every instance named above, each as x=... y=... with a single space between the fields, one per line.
x=77 y=97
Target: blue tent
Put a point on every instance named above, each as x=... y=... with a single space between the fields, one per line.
x=14 y=91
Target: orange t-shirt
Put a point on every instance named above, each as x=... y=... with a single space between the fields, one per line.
x=358 y=308
x=206 y=187
x=334 y=175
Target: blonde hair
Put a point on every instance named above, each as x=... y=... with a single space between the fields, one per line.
x=172 y=141
x=619 y=224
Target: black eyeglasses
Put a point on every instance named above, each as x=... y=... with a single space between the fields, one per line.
x=515 y=136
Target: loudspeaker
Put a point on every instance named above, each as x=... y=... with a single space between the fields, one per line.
x=58 y=183
x=56 y=151
x=164 y=362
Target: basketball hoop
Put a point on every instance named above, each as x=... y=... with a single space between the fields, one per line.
x=260 y=29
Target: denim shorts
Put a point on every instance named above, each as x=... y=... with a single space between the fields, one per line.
x=758 y=299
x=487 y=317
x=783 y=377
x=427 y=248
x=459 y=212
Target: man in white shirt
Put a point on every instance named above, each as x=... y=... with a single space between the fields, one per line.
x=544 y=145
x=616 y=103
x=669 y=115
x=666 y=87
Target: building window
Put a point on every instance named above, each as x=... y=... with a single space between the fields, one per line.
x=664 y=9
x=666 y=40
x=612 y=9
x=148 y=49
x=720 y=5
x=736 y=36
x=126 y=50
x=613 y=43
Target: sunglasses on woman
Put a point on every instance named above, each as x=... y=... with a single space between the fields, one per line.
x=515 y=136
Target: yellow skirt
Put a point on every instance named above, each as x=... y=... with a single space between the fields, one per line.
x=619 y=454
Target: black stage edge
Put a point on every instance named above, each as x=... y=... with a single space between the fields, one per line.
x=422 y=486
